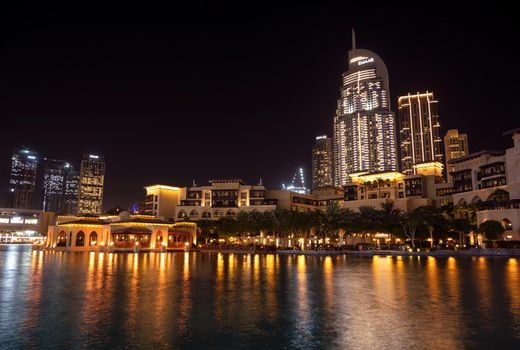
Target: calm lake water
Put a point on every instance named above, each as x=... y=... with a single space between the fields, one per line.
x=197 y=300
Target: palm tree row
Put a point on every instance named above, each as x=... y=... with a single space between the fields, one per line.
x=425 y=222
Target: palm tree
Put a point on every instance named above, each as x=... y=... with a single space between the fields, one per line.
x=429 y=217
x=371 y=218
x=492 y=229
x=333 y=220
x=243 y=224
x=461 y=226
x=391 y=217
x=226 y=226
x=206 y=228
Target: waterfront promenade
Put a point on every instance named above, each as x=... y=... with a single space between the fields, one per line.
x=369 y=252
x=439 y=253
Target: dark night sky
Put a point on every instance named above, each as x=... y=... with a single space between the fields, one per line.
x=169 y=93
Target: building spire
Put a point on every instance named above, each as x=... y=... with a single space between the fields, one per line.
x=353 y=39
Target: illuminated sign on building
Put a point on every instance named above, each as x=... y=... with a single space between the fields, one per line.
x=365 y=61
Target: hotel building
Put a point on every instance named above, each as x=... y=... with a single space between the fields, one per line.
x=406 y=192
x=420 y=144
x=222 y=198
x=478 y=176
x=161 y=201
x=320 y=199
x=364 y=125
x=455 y=146
x=22 y=181
x=91 y=183
x=322 y=175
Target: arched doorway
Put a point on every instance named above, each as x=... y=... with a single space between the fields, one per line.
x=476 y=200
x=499 y=195
x=507 y=224
x=159 y=239
x=92 y=238
x=62 y=239
x=80 y=239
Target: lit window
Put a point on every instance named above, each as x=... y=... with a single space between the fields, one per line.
x=16 y=220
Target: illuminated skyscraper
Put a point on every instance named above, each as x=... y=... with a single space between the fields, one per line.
x=22 y=182
x=420 y=142
x=455 y=146
x=54 y=182
x=322 y=162
x=364 y=125
x=70 y=202
x=92 y=178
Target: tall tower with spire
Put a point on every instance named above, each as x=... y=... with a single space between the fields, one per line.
x=364 y=125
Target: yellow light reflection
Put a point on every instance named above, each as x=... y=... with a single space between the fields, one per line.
x=328 y=283
x=513 y=287
x=302 y=302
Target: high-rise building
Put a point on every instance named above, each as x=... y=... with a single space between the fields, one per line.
x=322 y=162
x=92 y=178
x=420 y=143
x=455 y=146
x=70 y=202
x=364 y=125
x=54 y=182
x=22 y=181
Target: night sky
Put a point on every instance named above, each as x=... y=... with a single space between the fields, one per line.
x=169 y=93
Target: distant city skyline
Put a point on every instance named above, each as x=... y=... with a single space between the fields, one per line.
x=173 y=93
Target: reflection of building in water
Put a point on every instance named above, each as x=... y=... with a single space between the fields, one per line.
x=23 y=225
x=120 y=233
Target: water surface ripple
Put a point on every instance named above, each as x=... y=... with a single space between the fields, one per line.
x=65 y=300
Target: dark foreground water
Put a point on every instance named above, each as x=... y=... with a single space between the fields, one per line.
x=196 y=300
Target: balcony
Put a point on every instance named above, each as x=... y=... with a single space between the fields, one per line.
x=495 y=205
x=191 y=203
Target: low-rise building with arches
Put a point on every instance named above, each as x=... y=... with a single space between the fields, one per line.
x=121 y=233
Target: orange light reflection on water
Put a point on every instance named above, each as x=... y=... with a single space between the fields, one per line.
x=513 y=288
